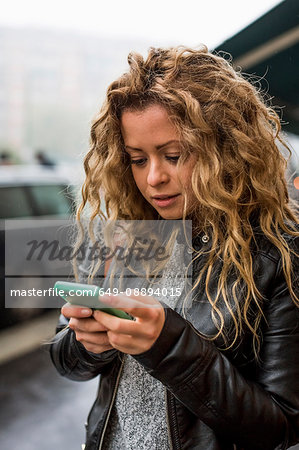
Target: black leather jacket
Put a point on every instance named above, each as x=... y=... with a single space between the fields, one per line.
x=215 y=399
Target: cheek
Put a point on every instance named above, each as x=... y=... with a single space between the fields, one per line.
x=186 y=181
x=186 y=176
x=139 y=180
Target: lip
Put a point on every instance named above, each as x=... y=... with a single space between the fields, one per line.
x=164 y=200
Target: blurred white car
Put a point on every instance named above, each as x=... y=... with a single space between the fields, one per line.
x=34 y=191
x=34 y=202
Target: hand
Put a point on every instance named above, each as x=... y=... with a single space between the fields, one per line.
x=91 y=333
x=128 y=336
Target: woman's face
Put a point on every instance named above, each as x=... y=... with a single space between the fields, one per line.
x=153 y=144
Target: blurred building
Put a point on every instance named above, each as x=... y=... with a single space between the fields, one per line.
x=51 y=85
x=267 y=51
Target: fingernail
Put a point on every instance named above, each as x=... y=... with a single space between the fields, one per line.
x=86 y=312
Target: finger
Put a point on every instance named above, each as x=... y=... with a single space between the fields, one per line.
x=69 y=311
x=89 y=325
x=100 y=339
x=127 y=344
x=114 y=323
x=129 y=327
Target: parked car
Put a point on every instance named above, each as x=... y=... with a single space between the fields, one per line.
x=34 y=201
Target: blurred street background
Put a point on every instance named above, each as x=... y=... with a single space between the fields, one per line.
x=56 y=61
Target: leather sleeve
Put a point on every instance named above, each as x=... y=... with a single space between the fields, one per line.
x=260 y=413
x=69 y=356
x=72 y=360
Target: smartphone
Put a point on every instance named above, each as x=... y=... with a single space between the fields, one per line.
x=86 y=295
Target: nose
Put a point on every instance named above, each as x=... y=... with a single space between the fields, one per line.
x=157 y=174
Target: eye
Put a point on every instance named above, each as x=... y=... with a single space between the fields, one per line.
x=173 y=159
x=138 y=162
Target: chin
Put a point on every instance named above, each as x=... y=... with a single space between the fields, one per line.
x=170 y=216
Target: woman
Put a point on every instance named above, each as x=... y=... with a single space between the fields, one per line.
x=183 y=136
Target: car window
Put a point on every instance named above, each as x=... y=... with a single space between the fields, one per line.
x=51 y=200
x=14 y=203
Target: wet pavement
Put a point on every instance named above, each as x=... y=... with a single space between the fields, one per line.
x=40 y=410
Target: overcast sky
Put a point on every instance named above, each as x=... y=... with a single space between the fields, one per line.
x=162 y=22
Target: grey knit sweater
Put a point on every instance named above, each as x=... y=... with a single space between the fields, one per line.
x=138 y=418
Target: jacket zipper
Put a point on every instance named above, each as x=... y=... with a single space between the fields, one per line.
x=111 y=403
x=167 y=420
x=174 y=444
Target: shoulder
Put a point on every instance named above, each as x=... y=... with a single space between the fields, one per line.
x=262 y=245
x=268 y=262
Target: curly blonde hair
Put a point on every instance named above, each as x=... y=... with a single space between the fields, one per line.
x=239 y=177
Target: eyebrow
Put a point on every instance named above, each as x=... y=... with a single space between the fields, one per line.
x=158 y=147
